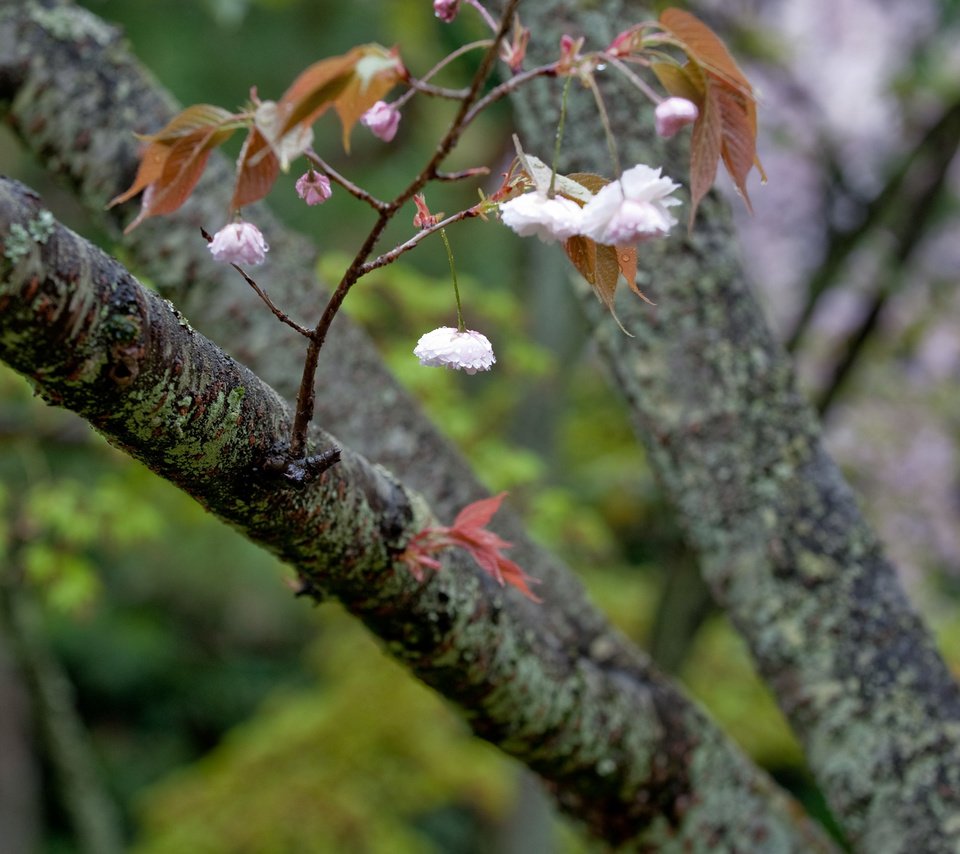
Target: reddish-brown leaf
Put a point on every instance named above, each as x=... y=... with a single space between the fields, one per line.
x=315 y=90
x=627 y=261
x=607 y=274
x=705 y=148
x=705 y=48
x=738 y=148
x=582 y=253
x=175 y=157
x=727 y=125
x=199 y=117
x=151 y=167
x=257 y=170
x=378 y=72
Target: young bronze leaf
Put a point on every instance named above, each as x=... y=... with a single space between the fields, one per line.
x=315 y=90
x=257 y=170
x=608 y=272
x=705 y=48
x=182 y=169
x=684 y=81
x=705 y=148
x=151 y=167
x=582 y=252
x=599 y=266
x=739 y=137
x=199 y=117
x=627 y=261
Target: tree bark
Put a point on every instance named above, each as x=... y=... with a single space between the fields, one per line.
x=620 y=747
x=780 y=539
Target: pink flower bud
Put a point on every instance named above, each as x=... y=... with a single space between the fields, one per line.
x=313 y=187
x=673 y=114
x=382 y=119
x=446 y=10
x=239 y=243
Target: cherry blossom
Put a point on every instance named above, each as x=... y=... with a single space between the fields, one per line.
x=631 y=210
x=537 y=214
x=445 y=347
x=313 y=187
x=239 y=243
x=383 y=119
x=674 y=114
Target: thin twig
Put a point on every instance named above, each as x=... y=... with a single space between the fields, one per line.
x=472 y=172
x=403 y=248
x=508 y=86
x=277 y=311
x=307 y=394
x=348 y=185
x=420 y=84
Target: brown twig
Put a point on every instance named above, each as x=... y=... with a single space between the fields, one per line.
x=277 y=311
x=465 y=114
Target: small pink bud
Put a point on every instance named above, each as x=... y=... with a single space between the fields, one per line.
x=313 y=187
x=446 y=10
x=423 y=218
x=516 y=51
x=569 y=53
x=239 y=243
x=382 y=119
x=673 y=114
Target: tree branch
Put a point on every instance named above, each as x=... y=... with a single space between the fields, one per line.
x=621 y=748
x=780 y=539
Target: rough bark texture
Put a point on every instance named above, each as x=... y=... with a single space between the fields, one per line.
x=620 y=746
x=780 y=538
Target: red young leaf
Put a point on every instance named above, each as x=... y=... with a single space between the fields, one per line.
x=479 y=513
x=469 y=532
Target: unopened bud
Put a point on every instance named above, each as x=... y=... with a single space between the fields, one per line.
x=673 y=114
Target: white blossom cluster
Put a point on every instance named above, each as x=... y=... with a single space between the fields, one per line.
x=632 y=209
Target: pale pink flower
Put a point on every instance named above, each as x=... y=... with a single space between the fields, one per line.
x=673 y=114
x=446 y=10
x=631 y=210
x=313 y=187
x=447 y=348
x=382 y=119
x=537 y=214
x=239 y=243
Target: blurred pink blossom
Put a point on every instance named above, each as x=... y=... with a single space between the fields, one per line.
x=239 y=243
x=383 y=119
x=314 y=187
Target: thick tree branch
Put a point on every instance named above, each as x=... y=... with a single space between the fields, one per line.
x=620 y=747
x=779 y=535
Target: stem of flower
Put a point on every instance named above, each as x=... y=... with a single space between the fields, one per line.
x=559 y=137
x=484 y=14
x=453 y=272
x=637 y=81
x=605 y=121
